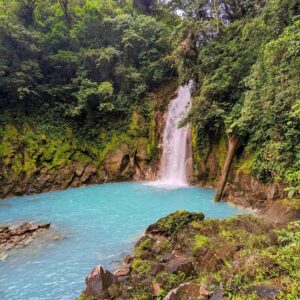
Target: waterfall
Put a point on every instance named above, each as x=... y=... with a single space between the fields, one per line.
x=173 y=171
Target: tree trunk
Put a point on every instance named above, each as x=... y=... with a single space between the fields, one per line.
x=233 y=143
x=65 y=7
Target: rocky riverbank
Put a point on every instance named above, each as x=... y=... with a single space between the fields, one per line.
x=183 y=256
x=13 y=237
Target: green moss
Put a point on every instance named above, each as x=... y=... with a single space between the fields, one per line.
x=84 y=297
x=164 y=246
x=246 y=163
x=10 y=139
x=152 y=146
x=196 y=154
x=227 y=235
x=112 y=145
x=221 y=151
x=178 y=220
x=26 y=149
x=200 y=241
x=140 y=293
x=137 y=126
x=173 y=281
x=197 y=224
x=145 y=245
x=141 y=266
x=17 y=163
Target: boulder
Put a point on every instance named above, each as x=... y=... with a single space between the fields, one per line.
x=79 y=169
x=44 y=226
x=123 y=271
x=218 y=294
x=98 y=282
x=265 y=292
x=117 y=161
x=128 y=259
x=21 y=236
x=280 y=213
x=185 y=291
x=181 y=265
x=89 y=171
x=64 y=178
x=156 y=268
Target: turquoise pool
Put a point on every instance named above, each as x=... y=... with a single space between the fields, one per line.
x=100 y=224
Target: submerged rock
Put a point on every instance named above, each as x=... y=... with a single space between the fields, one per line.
x=18 y=237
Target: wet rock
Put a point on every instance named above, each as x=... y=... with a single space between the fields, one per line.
x=44 y=226
x=18 y=237
x=186 y=291
x=128 y=259
x=3 y=229
x=99 y=281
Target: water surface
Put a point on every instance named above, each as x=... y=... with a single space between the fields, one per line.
x=100 y=224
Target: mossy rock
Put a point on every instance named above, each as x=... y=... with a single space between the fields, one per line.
x=172 y=223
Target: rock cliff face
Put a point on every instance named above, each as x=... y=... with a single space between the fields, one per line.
x=124 y=162
x=242 y=187
x=34 y=162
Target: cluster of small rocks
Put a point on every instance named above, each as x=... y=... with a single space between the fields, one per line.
x=18 y=236
x=100 y=280
x=167 y=250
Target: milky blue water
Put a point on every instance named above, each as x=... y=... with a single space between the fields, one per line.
x=100 y=224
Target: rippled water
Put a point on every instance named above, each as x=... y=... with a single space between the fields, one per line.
x=100 y=224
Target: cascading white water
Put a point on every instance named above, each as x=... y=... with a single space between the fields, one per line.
x=175 y=140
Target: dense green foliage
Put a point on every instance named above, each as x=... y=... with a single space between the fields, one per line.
x=246 y=67
x=75 y=78
x=87 y=67
x=88 y=61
